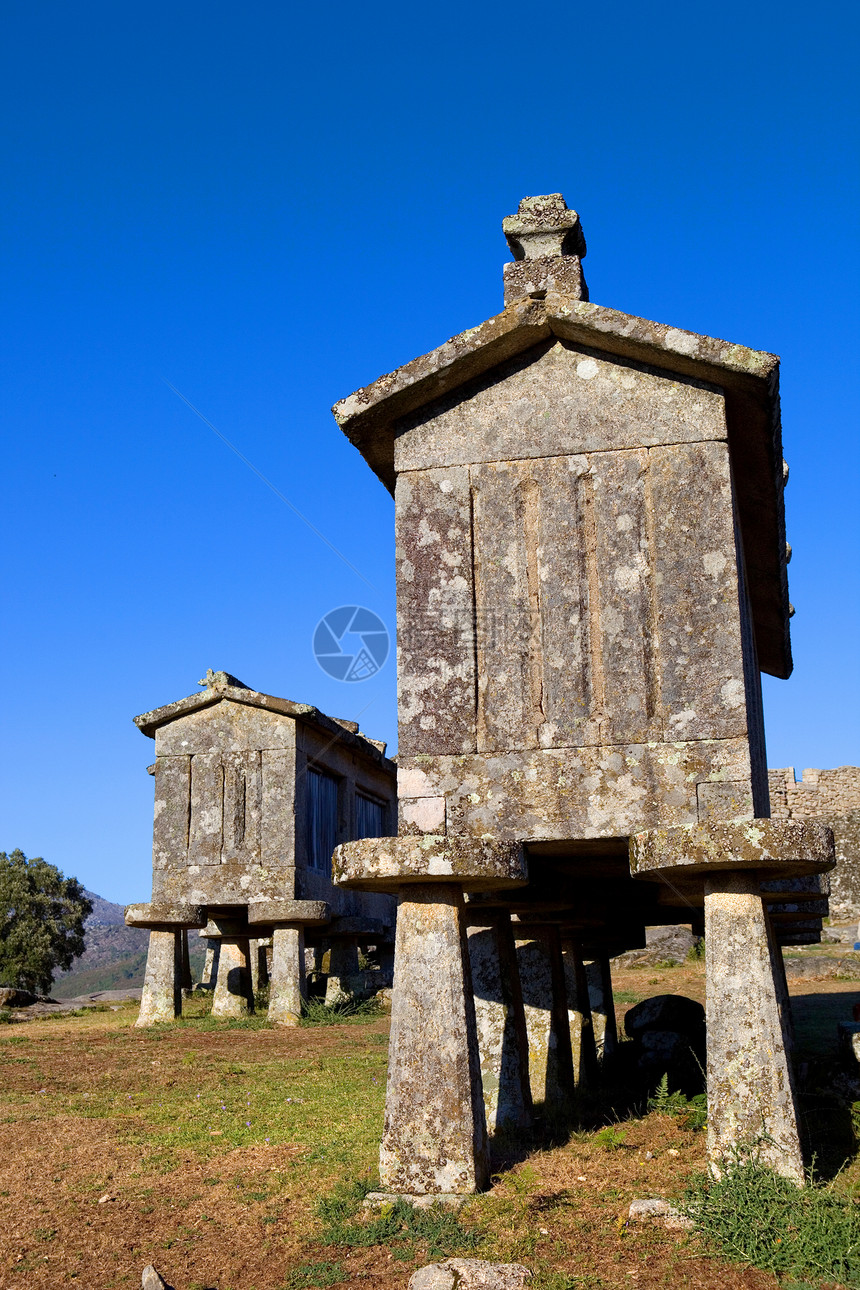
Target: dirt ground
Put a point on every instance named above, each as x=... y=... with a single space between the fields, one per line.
x=204 y=1149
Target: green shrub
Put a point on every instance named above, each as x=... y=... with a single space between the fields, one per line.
x=317 y=1013
x=436 y=1230
x=752 y=1215
x=691 y=1111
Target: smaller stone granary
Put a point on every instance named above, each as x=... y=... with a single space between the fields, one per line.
x=252 y=794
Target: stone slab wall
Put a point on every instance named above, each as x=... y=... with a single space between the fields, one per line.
x=834 y=797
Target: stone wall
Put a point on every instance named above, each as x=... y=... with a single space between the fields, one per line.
x=834 y=797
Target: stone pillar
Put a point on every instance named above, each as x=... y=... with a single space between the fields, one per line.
x=545 y=1006
x=233 y=996
x=599 y=976
x=210 y=967
x=386 y=962
x=342 y=969
x=751 y=1101
x=254 y=964
x=185 y=978
x=263 y=947
x=287 y=983
x=435 y=1139
x=583 y=1047
x=161 y=999
x=501 y=1026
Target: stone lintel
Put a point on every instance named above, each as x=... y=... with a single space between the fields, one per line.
x=386 y=864
x=771 y=848
x=271 y=913
x=156 y=915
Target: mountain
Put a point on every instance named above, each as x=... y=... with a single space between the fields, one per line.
x=114 y=958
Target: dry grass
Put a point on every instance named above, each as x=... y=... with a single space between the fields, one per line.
x=205 y=1150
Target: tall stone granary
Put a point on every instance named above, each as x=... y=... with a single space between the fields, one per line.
x=252 y=793
x=591 y=572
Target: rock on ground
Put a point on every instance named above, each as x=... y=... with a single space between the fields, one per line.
x=469 y=1274
x=656 y=1210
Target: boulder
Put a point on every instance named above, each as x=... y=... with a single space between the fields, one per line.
x=470 y=1274
x=666 y=1012
x=12 y=998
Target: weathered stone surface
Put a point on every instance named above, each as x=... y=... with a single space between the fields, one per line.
x=163 y=914
x=11 y=997
x=152 y=1280
x=576 y=792
x=287 y=981
x=233 y=995
x=501 y=1027
x=583 y=1043
x=434 y=1138
x=470 y=1274
x=373 y=418
x=547 y=1024
x=388 y=863
x=312 y=913
x=435 y=614
x=558 y=399
x=376 y=1200
x=655 y=1209
x=787 y=849
x=666 y=944
x=342 y=973
x=598 y=974
x=751 y=1101
x=161 y=998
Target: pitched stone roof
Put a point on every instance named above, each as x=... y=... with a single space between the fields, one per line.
x=749 y=379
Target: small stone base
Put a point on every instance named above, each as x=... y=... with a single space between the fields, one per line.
x=447 y=1199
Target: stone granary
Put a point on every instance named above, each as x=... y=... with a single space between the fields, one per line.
x=591 y=571
x=252 y=794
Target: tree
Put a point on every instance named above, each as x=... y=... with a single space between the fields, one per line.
x=41 y=921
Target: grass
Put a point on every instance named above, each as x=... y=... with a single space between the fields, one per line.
x=436 y=1232
x=315 y=1012
x=751 y=1215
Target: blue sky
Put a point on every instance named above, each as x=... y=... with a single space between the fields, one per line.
x=266 y=206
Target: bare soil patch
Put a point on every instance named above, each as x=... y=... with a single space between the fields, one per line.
x=205 y=1151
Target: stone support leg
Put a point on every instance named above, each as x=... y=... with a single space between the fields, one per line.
x=434 y=1138
x=287 y=981
x=545 y=1007
x=185 y=978
x=751 y=1103
x=343 y=969
x=210 y=967
x=599 y=976
x=233 y=996
x=161 y=999
x=583 y=1047
x=254 y=964
x=502 y=1036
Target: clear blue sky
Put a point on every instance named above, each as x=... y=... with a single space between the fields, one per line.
x=268 y=205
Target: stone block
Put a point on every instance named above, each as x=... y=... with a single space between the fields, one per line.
x=780 y=847
x=389 y=863
x=470 y=1274
x=311 y=913
x=162 y=914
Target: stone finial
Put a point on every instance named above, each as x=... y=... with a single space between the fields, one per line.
x=548 y=245
x=220 y=681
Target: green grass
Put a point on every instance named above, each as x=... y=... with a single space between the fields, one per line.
x=751 y=1215
x=325 y=1273
x=435 y=1232
x=317 y=1013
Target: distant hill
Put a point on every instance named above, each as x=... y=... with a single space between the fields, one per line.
x=115 y=955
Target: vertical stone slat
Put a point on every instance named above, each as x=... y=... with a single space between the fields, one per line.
x=626 y=639
x=172 y=812
x=701 y=666
x=207 y=809
x=435 y=612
